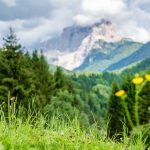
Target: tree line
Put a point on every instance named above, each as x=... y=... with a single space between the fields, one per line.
x=27 y=78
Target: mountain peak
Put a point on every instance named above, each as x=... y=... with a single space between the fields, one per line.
x=102 y=22
x=72 y=36
x=77 y=42
x=97 y=23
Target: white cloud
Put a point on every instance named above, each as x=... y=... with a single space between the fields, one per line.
x=35 y=30
x=101 y=7
x=38 y=33
x=134 y=32
x=132 y=19
x=140 y=2
x=64 y=3
x=82 y=19
x=10 y=3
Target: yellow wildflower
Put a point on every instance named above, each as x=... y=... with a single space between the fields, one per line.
x=120 y=93
x=147 y=76
x=137 y=80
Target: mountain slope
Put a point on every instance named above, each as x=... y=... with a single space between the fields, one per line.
x=70 y=39
x=89 y=48
x=98 y=61
x=141 y=54
x=76 y=42
x=140 y=67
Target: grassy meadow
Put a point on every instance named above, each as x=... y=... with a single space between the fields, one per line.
x=37 y=133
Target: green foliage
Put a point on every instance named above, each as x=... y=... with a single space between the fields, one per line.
x=139 y=113
x=11 y=42
x=115 y=113
x=142 y=66
x=94 y=91
x=12 y=70
x=28 y=76
x=145 y=105
x=62 y=102
x=60 y=133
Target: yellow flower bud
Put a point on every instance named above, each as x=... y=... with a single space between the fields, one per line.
x=147 y=76
x=120 y=93
x=137 y=80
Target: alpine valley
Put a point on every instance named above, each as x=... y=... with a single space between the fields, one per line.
x=95 y=48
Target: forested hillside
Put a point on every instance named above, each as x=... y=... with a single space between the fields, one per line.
x=27 y=79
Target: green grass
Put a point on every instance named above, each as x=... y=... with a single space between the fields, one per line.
x=35 y=133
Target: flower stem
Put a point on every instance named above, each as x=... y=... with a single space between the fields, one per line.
x=128 y=114
x=136 y=106
x=9 y=118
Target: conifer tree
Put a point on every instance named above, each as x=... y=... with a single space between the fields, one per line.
x=11 y=63
x=11 y=42
x=15 y=75
x=116 y=113
x=129 y=87
x=144 y=108
x=59 y=78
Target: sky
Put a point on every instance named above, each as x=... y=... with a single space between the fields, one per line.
x=38 y=20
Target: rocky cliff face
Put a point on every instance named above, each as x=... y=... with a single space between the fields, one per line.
x=76 y=42
x=70 y=39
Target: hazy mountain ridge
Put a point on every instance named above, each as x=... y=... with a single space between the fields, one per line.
x=76 y=42
x=97 y=61
x=72 y=36
x=70 y=39
x=95 y=48
x=142 y=53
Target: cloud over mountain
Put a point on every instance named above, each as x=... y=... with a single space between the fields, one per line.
x=37 y=20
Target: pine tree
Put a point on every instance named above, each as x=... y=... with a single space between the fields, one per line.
x=59 y=78
x=144 y=109
x=43 y=78
x=11 y=42
x=116 y=113
x=129 y=87
x=11 y=63
x=15 y=75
